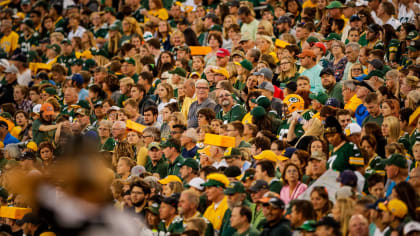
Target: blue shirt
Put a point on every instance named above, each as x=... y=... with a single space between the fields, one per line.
x=83 y=94
x=189 y=153
x=361 y=113
x=10 y=139
x=314 y=78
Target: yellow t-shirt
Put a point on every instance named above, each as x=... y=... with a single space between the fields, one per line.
x=161 y=14
x=353 y=103
x=10 y=42
x=215 y=216
x=186 y=105
x=142 y=156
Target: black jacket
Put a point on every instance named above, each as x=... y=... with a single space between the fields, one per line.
x=6 y=93
x=282 y=227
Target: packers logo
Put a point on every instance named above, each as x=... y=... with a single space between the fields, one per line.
x=293 y=100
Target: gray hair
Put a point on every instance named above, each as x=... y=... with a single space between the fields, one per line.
x=122 y=124
x=106 y=123
x=349 y=84
x=12 y=150
x=201 y=81
x=192 y=134
x=155 y=132
x=354 y=46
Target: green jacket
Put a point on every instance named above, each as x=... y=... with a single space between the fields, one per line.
x=250 y=232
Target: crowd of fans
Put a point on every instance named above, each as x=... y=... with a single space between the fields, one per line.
x=210 y=117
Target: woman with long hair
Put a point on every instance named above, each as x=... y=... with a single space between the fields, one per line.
x=320 y=201
x=391 y=129
x=134 y=138
x=342 y=211
x=373 y=129
x=391 y=44
x=98 y=29
x=47 y=27
x=164 y=34
x=198 y=64
x=130 y=27
x=390 y=108
x=198 y=27
x=405 y=192
x=265 y=44
x=87 y=43
x=230 y=40
x=165 y=94
x=265 y=28
x=294 y=7
x=368 y=145
x=288 y=72
x=112 y=45
x=165 y=57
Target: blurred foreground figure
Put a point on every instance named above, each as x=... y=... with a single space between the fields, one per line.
x=74 y=198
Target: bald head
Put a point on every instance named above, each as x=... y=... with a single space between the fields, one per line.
x=358 y=226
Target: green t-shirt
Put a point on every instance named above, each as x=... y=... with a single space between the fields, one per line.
x=41 y=136
x=173 y=168
x=236 y=113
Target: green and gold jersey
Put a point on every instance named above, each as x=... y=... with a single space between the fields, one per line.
x=237 y=112
x=347 y=157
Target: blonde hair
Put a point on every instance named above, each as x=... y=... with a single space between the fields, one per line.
x=267 y=39
x=268 y=27
x=394 y=127
x=283 y=75
x=199 y=26
x=198 y=224
x=57 y=35
x=346 y=206
x=91 y=41
x=169 y=89
x=177 y=33
x=134 y=25
x=179 y=118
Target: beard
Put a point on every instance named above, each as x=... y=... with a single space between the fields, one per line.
x=139 y=203
x=328 y=86
x=225 y=103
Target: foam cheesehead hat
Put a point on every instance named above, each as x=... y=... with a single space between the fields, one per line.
x=269 y=155
x=216 y=180
x=219 y=140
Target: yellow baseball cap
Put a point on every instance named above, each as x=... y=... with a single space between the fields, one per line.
x=222 y=71
x=170 y=178
x=396 y=207
x=32 y=145
x=269 y=155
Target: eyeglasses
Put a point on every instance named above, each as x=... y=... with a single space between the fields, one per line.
x=202 y=87
x=224 y=95
x=284 y=63
x=356 y=69
x=146 y=136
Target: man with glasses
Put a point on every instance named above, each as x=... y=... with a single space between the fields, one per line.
x=118 y=131
x=352 y=54
x=415 y=179
x=203 y=100
x=156 y=165
x=139 y=193
x=230 y=112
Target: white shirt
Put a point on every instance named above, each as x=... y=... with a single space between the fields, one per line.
x=394 y=22
x=405 y=15
x=25 y=78
x=78 y=33
x=220 y=164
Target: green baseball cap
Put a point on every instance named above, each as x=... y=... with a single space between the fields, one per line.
x=377 y=73
x=154 y=208
x=321 y=97
x=89 y=63
x=50 y=90
x=6 y=115
x=82 y=111
x=312 y=39
x=179 y=71
x=308 y=226
x=170 y=143
x=235 y=187
x=397 y=160
x=110 y=10
x=190 y=163
x=216 y=28
x=28 y=22
x=414 y=45
x=77 y=62
x=66 y=41
x=335 y=5
x=55 y=47
x=153 y=145
x=246 y=64
x=412 y=35
x=332 y=36
x=262 y=101
x=258 y=112
x=129 y=60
